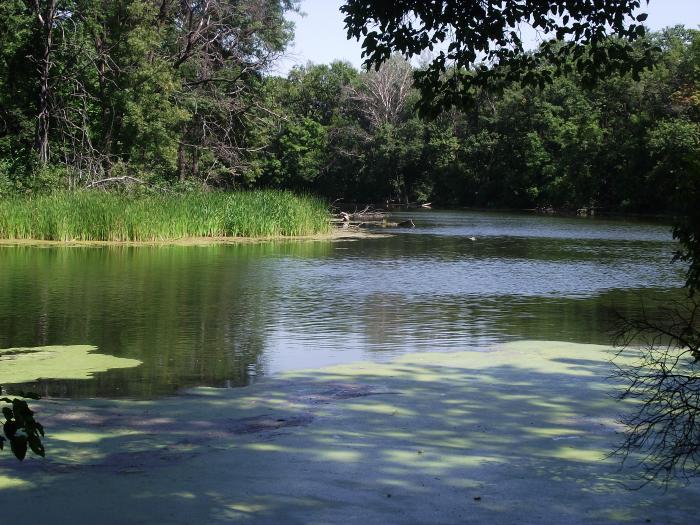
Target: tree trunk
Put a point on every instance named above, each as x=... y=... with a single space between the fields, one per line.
x=46 y=22
x=105 y=109
x=195 y=163
x=181 y=161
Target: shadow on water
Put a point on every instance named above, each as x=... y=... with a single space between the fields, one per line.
x=523 y=432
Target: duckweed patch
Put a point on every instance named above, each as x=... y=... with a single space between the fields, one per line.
x=23 y=365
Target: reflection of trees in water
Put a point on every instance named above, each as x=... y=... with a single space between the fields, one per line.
x=394 y=321
x=193 y=315
x=204 y=316
x=383 y=315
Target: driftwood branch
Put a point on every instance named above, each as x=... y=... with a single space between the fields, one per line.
x=662 y=432
x=369 y=217
x=112 y=180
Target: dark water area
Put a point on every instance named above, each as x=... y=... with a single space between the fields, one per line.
x=226 y=315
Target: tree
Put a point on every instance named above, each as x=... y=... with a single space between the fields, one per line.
x=156 y=88
x=298 y=154
x=382 y=95
x=687 y=225
x=46 y=20
x=665 y=382
x=318 y=91
x=220 y=57
x=479 y=43
x=381 y=98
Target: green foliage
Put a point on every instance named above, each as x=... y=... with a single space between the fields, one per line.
x=687 y=224
x=178 y=94
x=99 y=216
x=168 y=89
x=478 y=44
x=566 y=145
x=298 y=154
x=178 y=97
x=314 y=91
x=20 y=428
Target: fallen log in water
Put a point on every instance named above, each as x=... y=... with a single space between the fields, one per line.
x=410 y=205
x=366 y=215
x=368 y=218
x=373 y=217
x=387 y=224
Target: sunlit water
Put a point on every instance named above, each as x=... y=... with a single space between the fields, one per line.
x=225 y=315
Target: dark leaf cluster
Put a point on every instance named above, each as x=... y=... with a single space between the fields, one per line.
x=19 y=427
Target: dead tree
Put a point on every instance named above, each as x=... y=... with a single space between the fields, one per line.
x=383 y=94
x=45 y=15
x=225 y=59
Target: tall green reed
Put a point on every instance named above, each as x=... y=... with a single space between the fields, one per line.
x=100 y=216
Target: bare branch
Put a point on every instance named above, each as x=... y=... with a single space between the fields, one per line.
x=659 y=362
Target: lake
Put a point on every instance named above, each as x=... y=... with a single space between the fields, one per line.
x=225 y=316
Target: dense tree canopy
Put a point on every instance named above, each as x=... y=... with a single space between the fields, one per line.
x=179 y=93
x=168 y=94
x=615 y=146
x=100 y=89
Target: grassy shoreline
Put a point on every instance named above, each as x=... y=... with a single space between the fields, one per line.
x=335 y=234
x=108 y=217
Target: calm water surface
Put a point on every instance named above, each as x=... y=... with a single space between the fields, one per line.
x=225 y=315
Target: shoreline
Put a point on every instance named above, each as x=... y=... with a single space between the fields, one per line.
x=335 y=235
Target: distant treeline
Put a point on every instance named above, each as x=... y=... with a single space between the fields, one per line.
x=621 y=145
x=181 y=94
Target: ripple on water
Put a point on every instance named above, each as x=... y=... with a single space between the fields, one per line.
x=226 y=315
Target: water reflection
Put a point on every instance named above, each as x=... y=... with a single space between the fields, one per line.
x=224 y=315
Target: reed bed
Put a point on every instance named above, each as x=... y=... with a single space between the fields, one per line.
x=101 y=216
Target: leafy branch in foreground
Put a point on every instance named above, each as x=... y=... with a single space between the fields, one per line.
x=469 y=38
x=20 y=428
x=662 y=433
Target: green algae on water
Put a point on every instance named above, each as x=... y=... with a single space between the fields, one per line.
x=23 y=365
